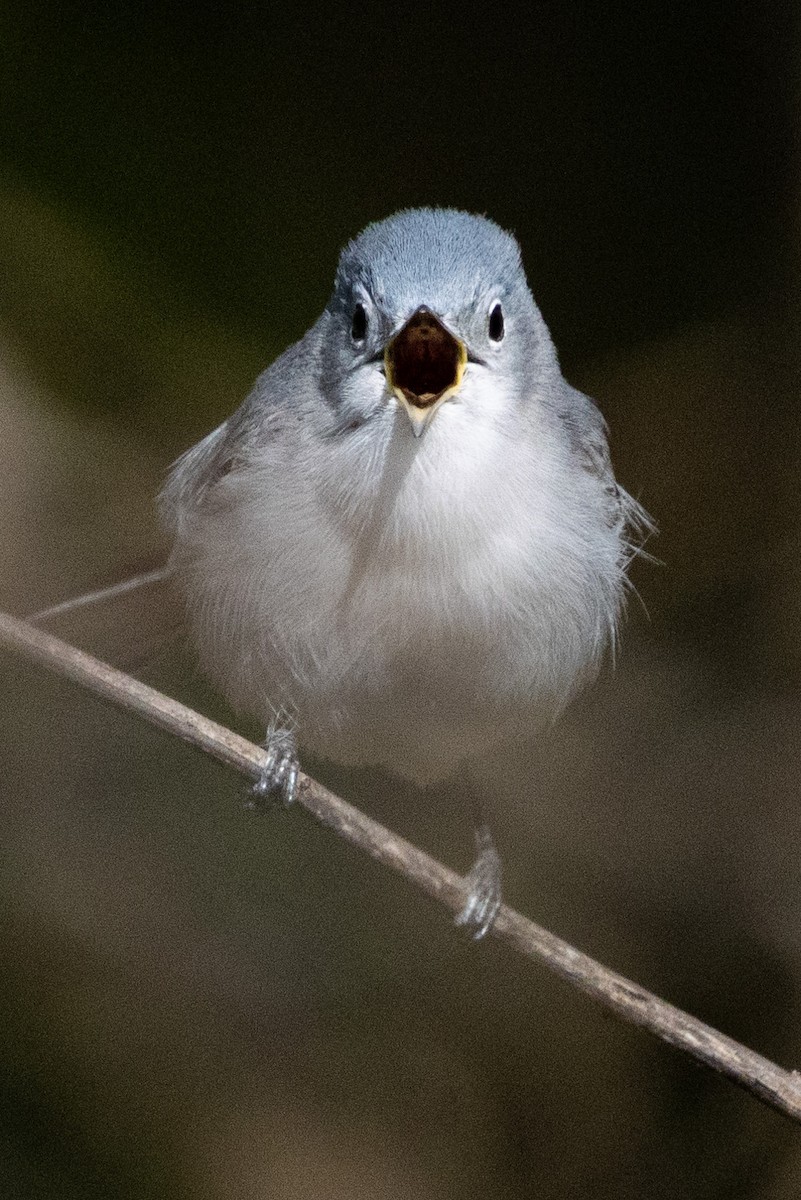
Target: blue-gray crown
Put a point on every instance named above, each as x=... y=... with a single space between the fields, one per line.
x=443 y=254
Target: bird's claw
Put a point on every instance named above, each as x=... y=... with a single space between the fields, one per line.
x=483 y=882
x=279 y=775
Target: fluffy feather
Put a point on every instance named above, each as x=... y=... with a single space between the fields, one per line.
x=409 y=601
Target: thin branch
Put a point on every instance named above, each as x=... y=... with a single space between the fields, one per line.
x=769 y=1082
x=101 y=596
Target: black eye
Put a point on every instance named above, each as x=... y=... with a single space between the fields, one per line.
x=358 y=329
x=496 y=323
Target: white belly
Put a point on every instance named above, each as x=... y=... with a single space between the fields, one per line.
x=402 y=612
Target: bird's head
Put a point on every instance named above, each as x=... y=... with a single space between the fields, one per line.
x=431 y=306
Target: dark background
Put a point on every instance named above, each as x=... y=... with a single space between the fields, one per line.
x=201 y=1003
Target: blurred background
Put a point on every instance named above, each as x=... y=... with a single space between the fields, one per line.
x=202 y=1002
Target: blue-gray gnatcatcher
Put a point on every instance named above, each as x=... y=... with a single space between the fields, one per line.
x=408 y=542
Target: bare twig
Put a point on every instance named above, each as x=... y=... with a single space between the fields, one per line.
x=769 y=1082
x=101 y=596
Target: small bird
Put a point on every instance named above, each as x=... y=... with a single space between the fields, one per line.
x=408 y=543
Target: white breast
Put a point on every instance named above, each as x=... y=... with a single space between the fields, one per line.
x=406 y=600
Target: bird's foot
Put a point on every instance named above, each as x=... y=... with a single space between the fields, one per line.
x=279 y=775
x=483 y=882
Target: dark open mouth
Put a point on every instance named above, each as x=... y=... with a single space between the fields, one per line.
x=424 y=361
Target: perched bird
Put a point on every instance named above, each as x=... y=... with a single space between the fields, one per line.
x=408 y=543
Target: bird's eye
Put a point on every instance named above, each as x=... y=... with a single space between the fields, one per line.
x=358 y=329
x=496 y=323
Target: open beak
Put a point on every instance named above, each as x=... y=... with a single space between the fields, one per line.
x=424 y=365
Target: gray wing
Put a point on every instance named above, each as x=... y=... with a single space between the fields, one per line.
x=278 y=402
x=588 y=434
x=197 y=472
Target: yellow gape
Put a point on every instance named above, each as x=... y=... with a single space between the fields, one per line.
x=424 y=365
